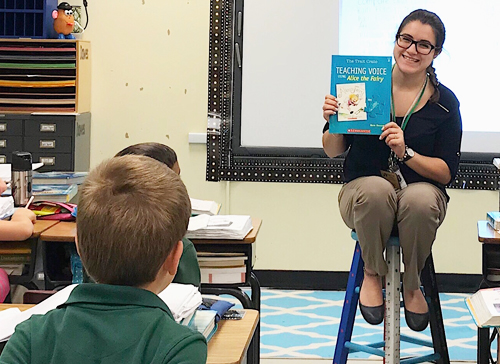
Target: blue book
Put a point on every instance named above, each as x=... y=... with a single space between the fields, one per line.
x=362 y=86
x=54 y=193
x=59 y=178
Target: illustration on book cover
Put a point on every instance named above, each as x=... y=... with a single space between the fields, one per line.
x=362 y=86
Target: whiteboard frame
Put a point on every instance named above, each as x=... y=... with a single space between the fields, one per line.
x=227 y=160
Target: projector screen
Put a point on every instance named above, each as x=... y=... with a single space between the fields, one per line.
x=287 y=48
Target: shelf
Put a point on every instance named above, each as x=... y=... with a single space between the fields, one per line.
x=44 y=76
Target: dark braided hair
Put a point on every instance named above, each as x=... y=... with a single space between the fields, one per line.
x=429 y=18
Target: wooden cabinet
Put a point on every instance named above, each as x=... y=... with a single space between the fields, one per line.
x=45 y=102
x=61 y=142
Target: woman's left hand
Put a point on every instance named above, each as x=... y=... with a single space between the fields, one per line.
x=394 y=138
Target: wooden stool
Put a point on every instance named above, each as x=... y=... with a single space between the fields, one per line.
x=391 y=352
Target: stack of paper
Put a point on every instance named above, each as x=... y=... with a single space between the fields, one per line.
x=181 y=299
x=234 y=227
x=204 y=207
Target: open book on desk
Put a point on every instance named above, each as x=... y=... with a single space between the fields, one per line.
x=181 y=299
x=234 y=227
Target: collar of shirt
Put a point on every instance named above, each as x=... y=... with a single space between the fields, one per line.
x=109 y=297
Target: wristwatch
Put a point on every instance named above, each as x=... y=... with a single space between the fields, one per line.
x=409 y=154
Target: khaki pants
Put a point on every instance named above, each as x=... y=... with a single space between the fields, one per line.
x=371 y=206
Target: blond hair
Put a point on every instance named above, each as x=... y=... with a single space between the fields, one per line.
x=132 y=211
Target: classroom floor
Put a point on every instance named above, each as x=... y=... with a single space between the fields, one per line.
x=303 y=325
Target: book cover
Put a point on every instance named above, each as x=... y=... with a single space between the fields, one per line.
x=59 y=178
x=55 y=193
x=362 y=86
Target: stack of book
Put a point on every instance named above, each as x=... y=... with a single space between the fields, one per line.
x=222 y=267
x=484 y=306
x=234 y=227
x=54 y=193
x=202 y=321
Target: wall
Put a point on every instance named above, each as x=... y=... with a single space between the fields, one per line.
x=149 y=83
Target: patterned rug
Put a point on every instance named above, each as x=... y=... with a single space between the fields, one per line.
x=304 y=324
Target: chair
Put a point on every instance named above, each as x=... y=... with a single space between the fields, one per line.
x=28 y=246
x=391 y=344
x=36 y=296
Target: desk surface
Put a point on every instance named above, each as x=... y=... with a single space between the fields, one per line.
x=229 y=343
x=66 y=232
x=24 y=247
x=486 y=234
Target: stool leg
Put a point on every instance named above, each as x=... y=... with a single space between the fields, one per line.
x=392 y=305
x=428 y=277
x=350 y=306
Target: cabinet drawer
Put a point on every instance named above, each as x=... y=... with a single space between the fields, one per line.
x=50 y=125
x=53 y=161
x=10 y=144
x=10 y=127
x=48 y=144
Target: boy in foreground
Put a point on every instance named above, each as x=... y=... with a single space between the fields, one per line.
x=132 y=214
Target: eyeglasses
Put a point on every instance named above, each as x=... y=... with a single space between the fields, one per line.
x=422 y=46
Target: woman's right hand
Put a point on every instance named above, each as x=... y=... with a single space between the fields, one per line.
x=330 y=107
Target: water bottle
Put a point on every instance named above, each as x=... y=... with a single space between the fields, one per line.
x=21 y=178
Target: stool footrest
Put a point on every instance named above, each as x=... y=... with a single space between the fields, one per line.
x=416 y=341
x=421 y=359
x=365 y=348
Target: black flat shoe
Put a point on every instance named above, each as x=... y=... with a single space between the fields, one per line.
x=417 y=321
x=372 y=315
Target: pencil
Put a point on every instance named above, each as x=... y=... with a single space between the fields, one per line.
x=29 y=202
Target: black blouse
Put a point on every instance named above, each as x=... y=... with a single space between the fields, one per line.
x=434 y=131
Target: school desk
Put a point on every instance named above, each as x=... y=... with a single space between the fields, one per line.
x=245 y=246
x=230 y=343
x=28 y=246
x=490 y=240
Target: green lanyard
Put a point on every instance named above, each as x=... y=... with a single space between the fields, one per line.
x=412 y=108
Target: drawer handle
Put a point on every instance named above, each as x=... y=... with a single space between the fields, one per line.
x=47 y=144
x=3 y=143
x=3 y=159
x=48 y=128
x=48 y=161
x=3 y=127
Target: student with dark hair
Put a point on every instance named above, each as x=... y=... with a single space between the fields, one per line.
x=132 y=214
x=189 y=269
x=421 y=143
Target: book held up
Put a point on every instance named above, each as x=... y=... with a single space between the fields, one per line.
x=362 y=86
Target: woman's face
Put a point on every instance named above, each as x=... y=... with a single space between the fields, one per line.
x=409 y=61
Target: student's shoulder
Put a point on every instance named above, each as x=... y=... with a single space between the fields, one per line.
x=189 y=346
